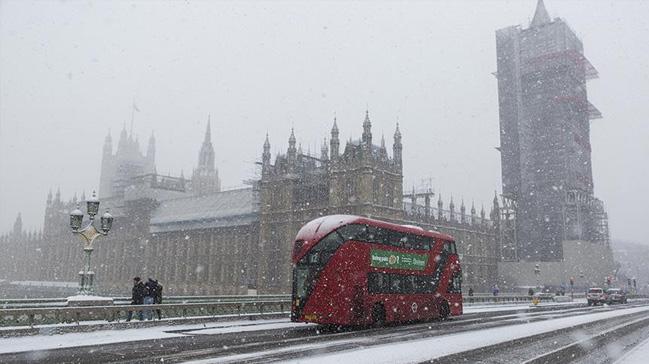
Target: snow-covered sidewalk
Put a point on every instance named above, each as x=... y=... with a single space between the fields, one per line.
x=45 y=342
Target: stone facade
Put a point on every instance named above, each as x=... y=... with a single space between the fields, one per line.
x=197 y=239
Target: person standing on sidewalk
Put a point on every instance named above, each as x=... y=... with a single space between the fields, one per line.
x=150 y=288
x=137 y=297
x=157 y=299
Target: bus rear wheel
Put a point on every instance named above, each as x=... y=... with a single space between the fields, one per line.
x=378 y=315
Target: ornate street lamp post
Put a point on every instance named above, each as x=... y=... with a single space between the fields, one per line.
x=537 y=273
x=88 y=235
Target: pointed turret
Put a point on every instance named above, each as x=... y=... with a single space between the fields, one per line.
x=49 y=197
x=324 y=151
x=265 y=156
x=18 y=225
x=482 y=213
x=292 y=151
x=451 y=209
x=123 y=140
x=367 y=131
x=57 y=197
x=440 y=207
x=335 y=142
x=382 y=150
x=397 y=148
x=206 y=155
x=267 y=144
x=473 y=216
x=541 y=15
x=205 y=178
x=108 y=145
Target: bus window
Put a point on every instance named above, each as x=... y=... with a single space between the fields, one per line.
x=422 y=243
x=396 y=283
x=321 y=253
x=449 y=247
x=378 y=282
x=455 y=283
x=301 y=280
x=410 y=284
x=351 y=232
x=394 y=238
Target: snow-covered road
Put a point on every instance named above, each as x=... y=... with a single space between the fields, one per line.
x=281 y=340
x=416 y=351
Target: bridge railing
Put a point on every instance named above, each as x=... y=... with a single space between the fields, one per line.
x=62 y=302
x=39 y=311
x=116 y=313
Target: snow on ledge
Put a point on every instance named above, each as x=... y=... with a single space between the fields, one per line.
x=88 y=298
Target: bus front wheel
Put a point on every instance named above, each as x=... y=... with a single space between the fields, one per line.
x=378 y=315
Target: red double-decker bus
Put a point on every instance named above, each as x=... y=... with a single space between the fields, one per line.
x=351 y=270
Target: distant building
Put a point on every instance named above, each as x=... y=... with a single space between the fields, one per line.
x=197 y=239
x=545 y=139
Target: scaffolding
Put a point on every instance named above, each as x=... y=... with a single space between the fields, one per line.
x=508 y=240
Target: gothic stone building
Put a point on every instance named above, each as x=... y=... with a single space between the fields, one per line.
x=197 y=239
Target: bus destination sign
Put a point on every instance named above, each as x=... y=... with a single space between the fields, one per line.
x=396 y=260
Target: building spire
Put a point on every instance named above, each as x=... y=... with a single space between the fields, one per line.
x=367 y=130
x=541 y=15
x=208 y=131
x=397 y=148
x=18 y=225
x=206 y=154
x=292 y=151
x=334 y=142
x=265 y=156
x=267 y=144
x=324 y=151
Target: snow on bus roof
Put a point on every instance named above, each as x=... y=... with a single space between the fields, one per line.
x=322 y=225
x=413 y=227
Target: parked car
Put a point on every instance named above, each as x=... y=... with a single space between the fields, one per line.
x=616 y=295
x=596 y=296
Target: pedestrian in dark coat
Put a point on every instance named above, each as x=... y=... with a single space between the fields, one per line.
x=150 y=288
x=137 y=297
x=158 y=298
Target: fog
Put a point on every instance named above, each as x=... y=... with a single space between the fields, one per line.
x=71 y=71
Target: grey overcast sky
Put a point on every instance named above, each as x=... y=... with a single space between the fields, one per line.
x=70 y=70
